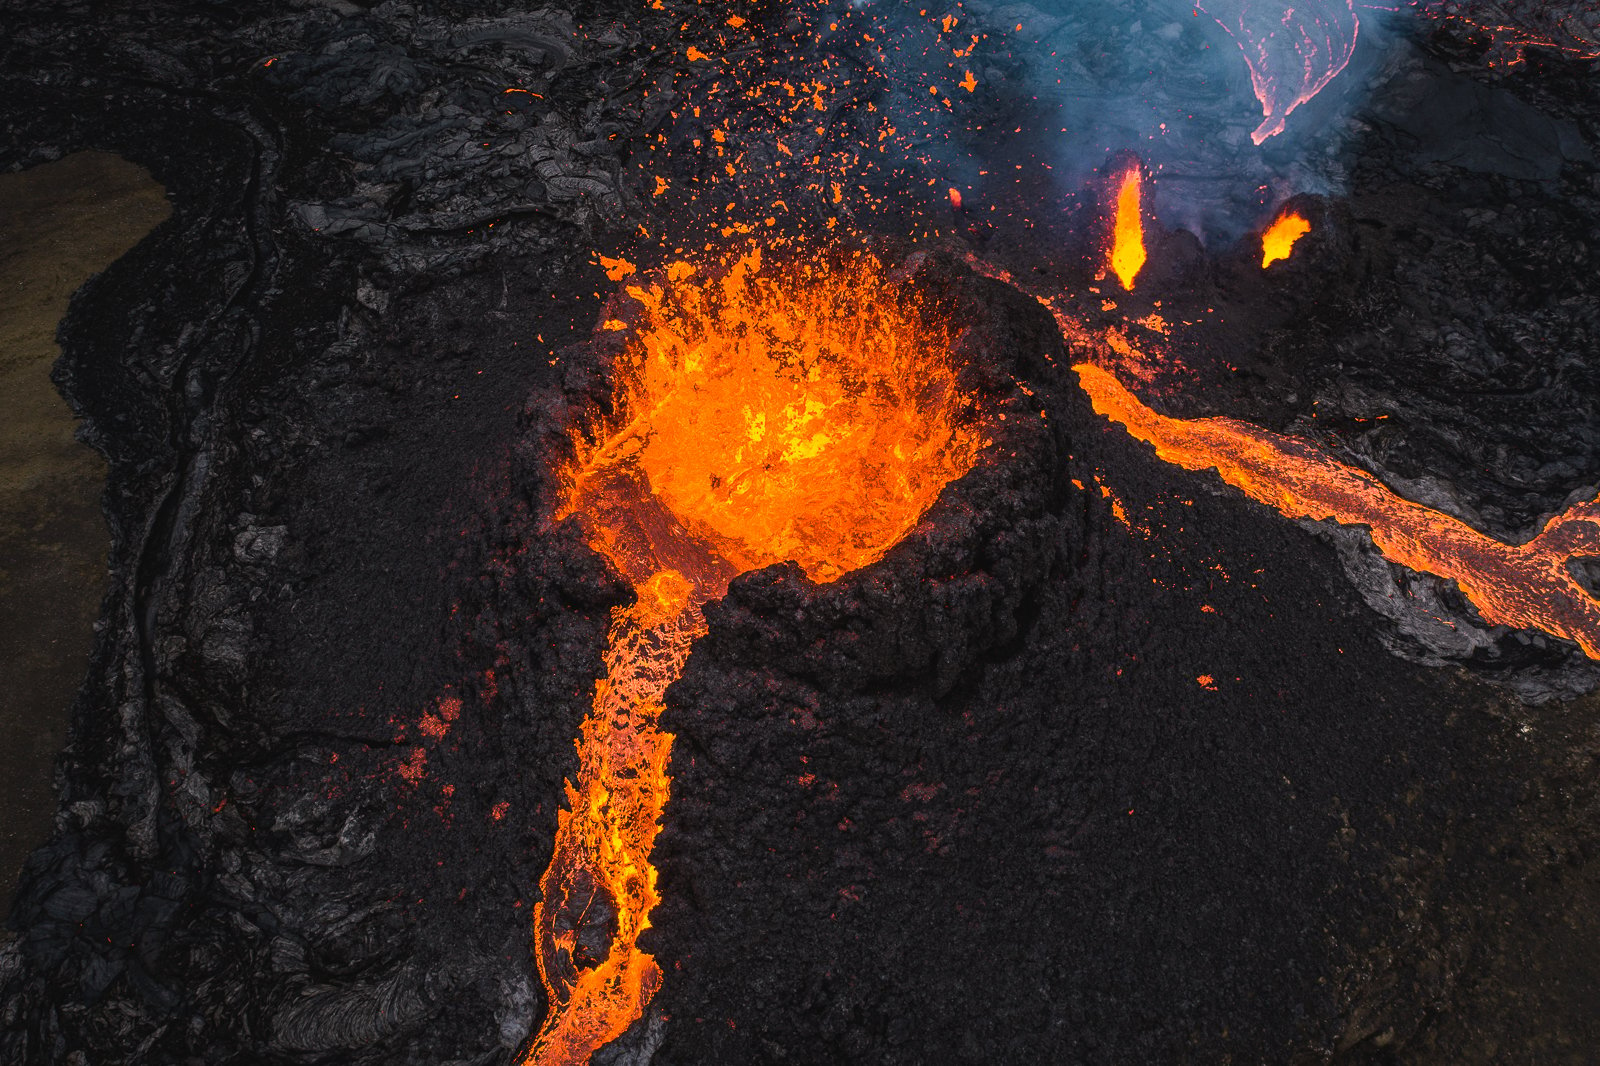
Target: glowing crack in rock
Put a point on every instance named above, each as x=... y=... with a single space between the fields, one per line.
x=1292 y=52
x=809 y=414
x=1525 y=586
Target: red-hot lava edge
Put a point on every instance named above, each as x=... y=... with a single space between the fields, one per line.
x=1525 y=586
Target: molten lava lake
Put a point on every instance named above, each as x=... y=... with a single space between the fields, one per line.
x=826 y=532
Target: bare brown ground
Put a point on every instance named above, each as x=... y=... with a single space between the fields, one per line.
x=59 y=225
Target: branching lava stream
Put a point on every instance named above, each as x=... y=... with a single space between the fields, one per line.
x=811 y=415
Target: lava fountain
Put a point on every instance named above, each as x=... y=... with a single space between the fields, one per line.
x=1127 y=254
x=1279 y=239
x=811 y=415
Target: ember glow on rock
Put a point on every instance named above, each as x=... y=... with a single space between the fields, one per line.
x=1526 y=586
x=1127 y=234
x=1293 y=52
x=1278 y=242
x=808 y=413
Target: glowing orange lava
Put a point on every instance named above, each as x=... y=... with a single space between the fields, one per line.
x=1127 y=236
x=1280 y=237
x=1528 y=586
x=809 y=415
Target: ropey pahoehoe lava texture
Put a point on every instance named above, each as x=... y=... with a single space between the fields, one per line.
x=1069 y=752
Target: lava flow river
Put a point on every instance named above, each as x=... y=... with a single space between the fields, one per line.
x=759 y=417
x=1525 y=586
